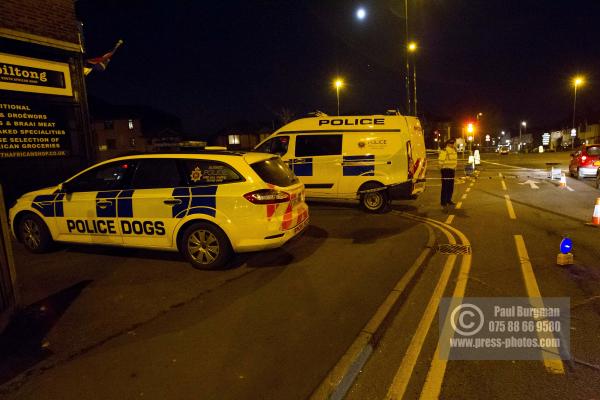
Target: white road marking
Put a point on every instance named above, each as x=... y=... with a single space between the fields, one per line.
x=468 y=190
x=464 y=196
x=503 y=185
x=458 y=205
x=449 y=219
x=531 y=183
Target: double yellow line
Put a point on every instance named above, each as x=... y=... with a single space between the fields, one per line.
x=437 y=369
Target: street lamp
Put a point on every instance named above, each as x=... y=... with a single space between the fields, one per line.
x=412 y=48
x=338 y=83
x=577 y=81
x=524 y=125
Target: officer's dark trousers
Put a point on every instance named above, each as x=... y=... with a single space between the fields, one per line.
x=447 y=185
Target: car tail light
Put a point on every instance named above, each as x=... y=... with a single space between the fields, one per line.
x=267 y=196
x=583 y=158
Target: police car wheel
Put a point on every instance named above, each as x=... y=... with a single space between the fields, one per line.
x=376 y=201
x=34 y=234
x=205 y=246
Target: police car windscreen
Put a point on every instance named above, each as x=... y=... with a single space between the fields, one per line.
x=275 y=172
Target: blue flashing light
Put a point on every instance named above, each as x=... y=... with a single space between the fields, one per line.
x=566 y=245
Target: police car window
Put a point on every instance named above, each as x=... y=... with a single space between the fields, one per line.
x=277 y=145
x=275 y=172
x=156 y=173
x=105 y=177
x=318 y=145
x=206 y=172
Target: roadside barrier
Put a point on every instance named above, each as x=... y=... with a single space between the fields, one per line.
x=563 y=182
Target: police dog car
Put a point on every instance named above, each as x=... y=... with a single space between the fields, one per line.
x=205 y=205
x=371 y=158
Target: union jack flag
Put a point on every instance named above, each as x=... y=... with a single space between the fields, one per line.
x=100 y=63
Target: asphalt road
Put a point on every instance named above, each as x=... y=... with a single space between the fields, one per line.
x=355 y=296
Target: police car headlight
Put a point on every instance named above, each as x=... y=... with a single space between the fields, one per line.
x=267 y=196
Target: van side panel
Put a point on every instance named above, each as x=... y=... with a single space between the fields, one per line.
x=372 y=157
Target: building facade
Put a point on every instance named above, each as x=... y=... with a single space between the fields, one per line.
x=44 y=123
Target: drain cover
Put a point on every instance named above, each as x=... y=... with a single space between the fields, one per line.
x=454 y=249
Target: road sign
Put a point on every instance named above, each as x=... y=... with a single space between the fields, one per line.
x=546 y=139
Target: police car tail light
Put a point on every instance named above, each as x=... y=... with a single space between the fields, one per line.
x=267 y=196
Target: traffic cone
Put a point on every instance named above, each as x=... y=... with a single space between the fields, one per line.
x=563 y=182
x=596 y=216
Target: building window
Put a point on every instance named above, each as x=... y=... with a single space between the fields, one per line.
x=111 y=144
x=234 y=139
x=109 y=124
x=130 y=124
x=132 y=141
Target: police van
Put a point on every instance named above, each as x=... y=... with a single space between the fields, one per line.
x=373 y=158
x=205 y=205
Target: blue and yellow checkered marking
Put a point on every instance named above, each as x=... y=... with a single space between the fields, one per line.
x=303 y=166
x=195 y=200
x=119 y=203
x=358 y=170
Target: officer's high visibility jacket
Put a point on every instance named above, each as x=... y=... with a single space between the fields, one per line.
x=448 y=158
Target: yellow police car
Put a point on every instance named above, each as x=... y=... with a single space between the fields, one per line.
x=206 y=205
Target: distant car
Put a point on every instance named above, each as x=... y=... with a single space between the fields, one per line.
x=207 y=205
x=584 y=161
x=504 y=150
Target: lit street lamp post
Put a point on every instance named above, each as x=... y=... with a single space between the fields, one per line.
x=412 y=48
x=577 y=81
x=524 y=125
x=338 y=83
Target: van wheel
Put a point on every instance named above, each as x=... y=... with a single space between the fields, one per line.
x=34 y=234
x=376 y=201
x=205 y=246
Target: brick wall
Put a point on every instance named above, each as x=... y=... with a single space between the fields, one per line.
x=54 y=19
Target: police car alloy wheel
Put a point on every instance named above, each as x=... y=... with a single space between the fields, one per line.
x=34 y=234
x=205 y=246
x=375 y=201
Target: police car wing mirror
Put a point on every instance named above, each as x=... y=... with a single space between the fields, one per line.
x=65 y=187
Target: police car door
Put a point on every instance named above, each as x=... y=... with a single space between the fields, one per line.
x=152 y=187
x=90 y=204
x=318 y=163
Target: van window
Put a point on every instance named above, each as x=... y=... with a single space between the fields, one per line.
x=318 y=145
x=275 y=172
x=277 y=145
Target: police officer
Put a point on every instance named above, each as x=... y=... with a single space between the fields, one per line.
x=448 y=160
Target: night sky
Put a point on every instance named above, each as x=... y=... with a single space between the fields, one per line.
x=215 y=63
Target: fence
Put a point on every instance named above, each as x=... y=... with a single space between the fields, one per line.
x=8 y=293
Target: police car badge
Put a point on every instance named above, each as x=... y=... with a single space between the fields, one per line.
x=196 y=174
